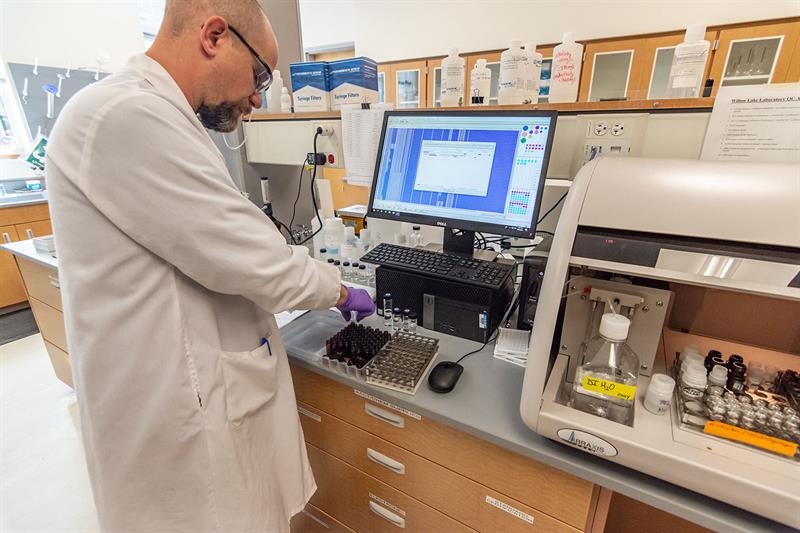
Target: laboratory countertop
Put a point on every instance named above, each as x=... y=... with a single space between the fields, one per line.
x=26 y=250
x=485 y=404
x=17 y=200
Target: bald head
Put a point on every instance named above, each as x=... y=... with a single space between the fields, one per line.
x=214 y=50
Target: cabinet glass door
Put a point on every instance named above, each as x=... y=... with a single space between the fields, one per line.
x=544 y=80
x=408 y=88
x=610 y=75
x=437 y=86
x=381 y=87
x=14 y=134
x=751 y=61
x=659 y=78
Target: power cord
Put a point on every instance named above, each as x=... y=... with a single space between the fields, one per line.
x=313 y=192
x=493 y=337
x=551 y=209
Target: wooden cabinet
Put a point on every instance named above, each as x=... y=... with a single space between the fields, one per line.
x=485 y=476
x=11 y=289
x=405 y=83
x=611 y=70
x=312 y=520
x=754 y=54
x=18 y=223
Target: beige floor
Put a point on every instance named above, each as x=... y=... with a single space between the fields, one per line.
x=44 y=486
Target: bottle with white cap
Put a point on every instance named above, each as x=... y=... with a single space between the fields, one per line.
x=286 y=101
x=480 y=83
x=565 y=74
x=606 y=385
x=274 y=93
x=689 y=64
x=511 y=86
x=659 y=394
x=452 y=86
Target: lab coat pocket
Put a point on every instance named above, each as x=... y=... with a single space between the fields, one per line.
x=250 y=381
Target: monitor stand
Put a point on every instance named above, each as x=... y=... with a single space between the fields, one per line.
x=461 y=244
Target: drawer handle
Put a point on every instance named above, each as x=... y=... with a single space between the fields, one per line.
x=54 y=282
x=387 y=515
x=388 y=462
x=29 y=233
x=384 y=415
x=316 y=519
x=6 y=238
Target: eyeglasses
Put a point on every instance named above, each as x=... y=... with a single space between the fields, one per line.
x=263 y=78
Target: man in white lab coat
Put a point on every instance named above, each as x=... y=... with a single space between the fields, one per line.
x=170 y=279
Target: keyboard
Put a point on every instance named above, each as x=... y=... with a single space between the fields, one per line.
x=439 y=264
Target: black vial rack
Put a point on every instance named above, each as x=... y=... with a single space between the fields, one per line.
x=356 y=345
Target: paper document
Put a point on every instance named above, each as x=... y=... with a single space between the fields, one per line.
x=755 y=123
x=287 y=316
x=361 y=132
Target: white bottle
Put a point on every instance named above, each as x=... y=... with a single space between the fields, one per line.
x=364 y=242
x=533 y=72
x=334 y=236
x=349 y=244
x=659 y=394
x=274 y=93
x=688 y=64
x=511 y=88
x=565 y=74
x=286 y=101
x=452 y=86
x=480 y=83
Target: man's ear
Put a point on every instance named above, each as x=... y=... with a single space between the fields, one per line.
x=213 y=34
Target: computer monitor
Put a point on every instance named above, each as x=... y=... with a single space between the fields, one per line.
x=463 y=170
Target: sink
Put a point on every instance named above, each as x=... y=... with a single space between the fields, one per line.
x=22 y=198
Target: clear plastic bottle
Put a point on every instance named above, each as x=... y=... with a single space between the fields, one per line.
x=286 y=101
x=323 y=254
x=480 y=83
x=274 y=93
x=511 y=87
x=397 y=319
x=605 y=386
x=347 y=272
x=350 y=244
x=406 y=313
x=533 y=71
x=387 y=309
x=693 y=381
x=452 y=86
x=565 y=74
x=334 y=235
x=688 y=64
x=415 y=238
x=363 y=275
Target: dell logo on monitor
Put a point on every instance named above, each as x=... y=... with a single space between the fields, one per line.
x=440 y=223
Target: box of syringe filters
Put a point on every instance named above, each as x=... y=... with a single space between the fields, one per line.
x=353 y=81
x=310 y=86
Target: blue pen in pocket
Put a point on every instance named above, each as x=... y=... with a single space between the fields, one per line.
x=264 y=341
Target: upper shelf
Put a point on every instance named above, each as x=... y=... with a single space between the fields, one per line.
x=620 y=105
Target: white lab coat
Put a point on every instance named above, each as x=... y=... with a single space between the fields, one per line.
x=170 y=279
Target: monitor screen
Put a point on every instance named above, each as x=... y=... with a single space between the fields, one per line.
x=471 y=170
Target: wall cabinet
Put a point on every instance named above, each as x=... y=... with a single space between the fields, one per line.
x=405 y=83
x=11 y=289
x=656 y=62
x=755 y=54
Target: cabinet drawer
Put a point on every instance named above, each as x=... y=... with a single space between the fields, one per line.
x=363 y=503
x=566 y=497
x=22 y=214
x=432 y=484
x=41 y=282
x=50 y=322
x=61 y=364
x=37 y=228
x=312 y=520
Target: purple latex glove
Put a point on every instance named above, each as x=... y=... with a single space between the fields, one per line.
x=357 y=300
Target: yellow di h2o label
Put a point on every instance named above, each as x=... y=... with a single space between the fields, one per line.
x=609 y=388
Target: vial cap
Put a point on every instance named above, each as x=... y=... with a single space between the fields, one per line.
x=530 y=47
x=481 y=63
x=337 y=263
x=330 y=261
x=323 y=250
x=568 y=37
x=453 y=52
x=346 y=263
x=415 y=228
x=614 y=327
x=719 y=373
x=362 y=267
x=387 y=295
x=662 y=384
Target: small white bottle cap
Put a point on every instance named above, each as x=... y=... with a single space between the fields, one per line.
x=691 y=357
x=718 y=373
x=614 y=327
x=694 y=33
x=349 y=232
x=276 y=74
x=454 y=52
x=515 y=44
x=530 y=47
x=661 y=384
x=568 y=37
x=481 y=63
x=364 y=235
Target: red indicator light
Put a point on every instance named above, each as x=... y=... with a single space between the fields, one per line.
x=609 y=241
x=331 y=159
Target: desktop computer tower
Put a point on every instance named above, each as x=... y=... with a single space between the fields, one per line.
x=455 y=307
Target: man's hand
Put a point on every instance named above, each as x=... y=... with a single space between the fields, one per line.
x=357 y=300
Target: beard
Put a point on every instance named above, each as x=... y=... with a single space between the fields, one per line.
x=222 y=117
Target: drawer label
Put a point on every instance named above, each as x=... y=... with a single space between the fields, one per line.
x=387 y=404
x=386 y=504
x=773 y=444
x=609 y=388
x=510 y=510
x=309 y=414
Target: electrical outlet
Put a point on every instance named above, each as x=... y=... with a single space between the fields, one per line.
x=617 y=129
x=600 y=128
x=327 y=129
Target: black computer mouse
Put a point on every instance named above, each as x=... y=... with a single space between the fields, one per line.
x=444 y=376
